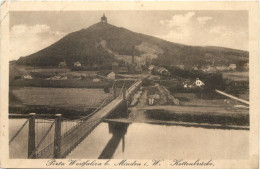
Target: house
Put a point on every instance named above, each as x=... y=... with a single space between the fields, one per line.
x=222 y=68
x=232 y=67
x=95 y=66
x=150 y=101
x=209 y=69
x=77 y=64
x=195 y=68
x=199 y=83
x=96 y=80
x=188 y=85
x=27 y=77
x=151 y=67
x=111 y=75
x=56 y=77
x=62 y=64
x=64 y=78
x=180 y=66
x=163 y=71
x=185 y=86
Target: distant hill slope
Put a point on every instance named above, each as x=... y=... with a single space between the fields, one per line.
x=103 y=43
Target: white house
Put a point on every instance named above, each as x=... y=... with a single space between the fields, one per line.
x=96 y=80
x=232 y=66
x=180 y=66
x=199 y=83
x=56 y=77
x=77 y=64
x=195 y=68
x=151 y=67
x=111 y=75
x=222 y=68
x=150 y=101
x=62 y=64
x=27 y=77
x=64 y=78
x=185 y=86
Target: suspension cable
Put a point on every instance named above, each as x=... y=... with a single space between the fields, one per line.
x=17 y=133
x=49 y=129
x=101 y=105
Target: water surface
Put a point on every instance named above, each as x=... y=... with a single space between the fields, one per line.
x=148 y=141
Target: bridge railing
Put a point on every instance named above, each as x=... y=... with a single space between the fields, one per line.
x=56 y=138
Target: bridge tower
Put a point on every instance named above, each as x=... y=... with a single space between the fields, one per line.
x=57 y=137
x=31 y=136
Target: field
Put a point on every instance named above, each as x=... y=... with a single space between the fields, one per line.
x=59 y=97
x=236 y=76
x=211 y=118
x=69 y=83
x=18 y=71
x=190 y=99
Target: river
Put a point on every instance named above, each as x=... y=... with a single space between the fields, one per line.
x=148 y=141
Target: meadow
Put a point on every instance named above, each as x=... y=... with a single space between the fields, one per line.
x=60 y=97
x=236 y=76
x=68 y=83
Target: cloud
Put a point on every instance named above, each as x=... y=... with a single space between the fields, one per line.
x=25 y=40
x=202 y=20
x=178 y=20
x=190 y=30
x=180 y=28
x=223 y=36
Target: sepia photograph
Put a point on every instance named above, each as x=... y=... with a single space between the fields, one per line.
x=129 y=84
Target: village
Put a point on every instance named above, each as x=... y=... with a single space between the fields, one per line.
x=175 y=84
x=118 y=93
x=161 y=88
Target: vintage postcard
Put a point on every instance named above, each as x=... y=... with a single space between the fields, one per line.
x=129 y=85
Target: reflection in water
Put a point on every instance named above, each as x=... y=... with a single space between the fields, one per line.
x=147 y=141
x=118 y=131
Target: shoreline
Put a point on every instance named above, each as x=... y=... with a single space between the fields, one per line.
x=185 y=124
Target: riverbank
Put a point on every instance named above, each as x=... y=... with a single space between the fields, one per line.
x=184 y=124
x=190 y=112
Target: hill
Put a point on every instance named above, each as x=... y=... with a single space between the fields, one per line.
x=103 y=44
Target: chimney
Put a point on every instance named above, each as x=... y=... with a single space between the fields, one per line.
x=133 y=58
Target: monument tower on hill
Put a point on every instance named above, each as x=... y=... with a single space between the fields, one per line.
x=104 y=19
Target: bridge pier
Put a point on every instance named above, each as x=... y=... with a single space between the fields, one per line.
x=57 y=137
x=31 y=136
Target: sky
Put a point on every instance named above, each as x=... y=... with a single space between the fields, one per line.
x=33 y=31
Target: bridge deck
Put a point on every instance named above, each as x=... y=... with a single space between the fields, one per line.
x=73 y=137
